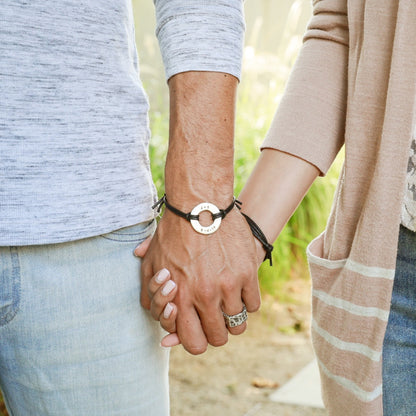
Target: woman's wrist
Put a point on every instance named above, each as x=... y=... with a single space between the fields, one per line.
x=274 y=190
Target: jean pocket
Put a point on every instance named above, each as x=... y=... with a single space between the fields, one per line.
x=132 y=234
x=9 y=284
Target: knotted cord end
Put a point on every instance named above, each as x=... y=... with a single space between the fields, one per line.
x=258 y=233
x=159 y=204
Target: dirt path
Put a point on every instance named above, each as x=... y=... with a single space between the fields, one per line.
x=223 y=381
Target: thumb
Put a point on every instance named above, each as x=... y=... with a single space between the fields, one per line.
x=141 y=249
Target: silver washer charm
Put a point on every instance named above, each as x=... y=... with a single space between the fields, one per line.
x=205 y=206
x=234 y=320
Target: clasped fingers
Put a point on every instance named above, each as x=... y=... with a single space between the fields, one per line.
x=162 y=290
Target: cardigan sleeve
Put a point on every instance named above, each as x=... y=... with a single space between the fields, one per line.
x=200 y=35
x=310 y=120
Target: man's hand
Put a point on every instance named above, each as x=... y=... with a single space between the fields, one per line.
x=213 y=273
x=162 y=291
x=216 y=272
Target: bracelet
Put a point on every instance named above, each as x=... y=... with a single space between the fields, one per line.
x=193 y=217
x=258 y=233
x=217 y=216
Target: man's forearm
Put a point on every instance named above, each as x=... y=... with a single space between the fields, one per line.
x=214 y=273
x=199 y=165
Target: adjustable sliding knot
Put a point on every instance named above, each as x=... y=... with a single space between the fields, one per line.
x=193 y=217
x=159 y=204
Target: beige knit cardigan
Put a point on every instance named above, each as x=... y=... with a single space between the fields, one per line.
x=354 y=83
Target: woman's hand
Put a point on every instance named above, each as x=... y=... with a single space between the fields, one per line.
x=162 y=291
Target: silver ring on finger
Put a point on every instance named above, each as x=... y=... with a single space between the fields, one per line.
x=235 y=320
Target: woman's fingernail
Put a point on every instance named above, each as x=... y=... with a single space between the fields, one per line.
x=167 y=311
x=169 y=286
x=162 y=276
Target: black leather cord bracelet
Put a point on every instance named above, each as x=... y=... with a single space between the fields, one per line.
x=217 y=215
x=258 y=233
x=193 y=217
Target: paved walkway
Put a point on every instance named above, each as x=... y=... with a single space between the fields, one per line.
x=300 y=396
x=278 y=409
x=304 y=389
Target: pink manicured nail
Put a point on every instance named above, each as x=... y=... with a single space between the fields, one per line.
x=167 y=311
x=162 y=276
x=169 y=286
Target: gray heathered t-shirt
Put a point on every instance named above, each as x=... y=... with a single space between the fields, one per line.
x=74 y=125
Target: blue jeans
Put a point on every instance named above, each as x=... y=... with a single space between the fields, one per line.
x=74 y=340
x=399 y=351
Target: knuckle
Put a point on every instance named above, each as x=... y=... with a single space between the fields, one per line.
x=150 y=294
x=238 y=330
x=154 y=314
x=167 y=326
x=218 y=340
x=207 y=294
x=196 y=349
x=146 y=275
x=229 y=285
x=156 y=303
x=254 y=306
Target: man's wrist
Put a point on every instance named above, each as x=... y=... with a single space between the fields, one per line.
x=188 y=185
x=196 y=214
x=199 y=164
x=186 y=200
